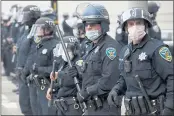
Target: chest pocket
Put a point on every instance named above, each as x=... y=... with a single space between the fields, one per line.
x=43 y=58
x=95 y=64
x=143 y=69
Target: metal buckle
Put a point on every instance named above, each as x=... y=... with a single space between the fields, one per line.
x=76 y=106
x=42 y=87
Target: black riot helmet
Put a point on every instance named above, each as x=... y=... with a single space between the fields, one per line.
x=30 y=14
x=43 y=27
x=135 y=13
x=153 y=7
x=71 y=44
x=94 y=13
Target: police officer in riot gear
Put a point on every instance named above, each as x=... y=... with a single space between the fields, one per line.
x=146 y=68
x=29 y=15
x=43 y=29
x=120 y=36
x=67 y=29
x=99 y=69
x=79 y=32
x=66 y=101
x=154 y=31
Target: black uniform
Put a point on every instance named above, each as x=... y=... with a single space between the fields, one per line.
x=67 y=90
x=152 y=62
x=44 y=60
x=100 y=73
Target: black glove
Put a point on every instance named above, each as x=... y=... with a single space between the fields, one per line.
x=82 y=95
x=72 y=71
x=34 y=69
x=113 y=98
x=168 y=112
x=61 y=105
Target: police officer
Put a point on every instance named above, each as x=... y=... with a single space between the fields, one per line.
x=146 y=69
x=67 y=29
x=154 y=31
x=79 y=32
x=120 y=36
x=43 y=29
x=99 y=69
x=30 y=14
x=66 y=101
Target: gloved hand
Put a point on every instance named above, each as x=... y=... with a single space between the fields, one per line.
x=113 y=98
x=72 y=71
x=167 y=112
x=61 y=104
x=82 y=95
x=34 y=69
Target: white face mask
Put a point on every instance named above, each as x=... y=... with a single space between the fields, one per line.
x=136 y=33
x=71 y=55
x=93 y=35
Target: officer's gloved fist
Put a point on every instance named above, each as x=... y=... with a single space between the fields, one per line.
x=34 y=69
x=61 y=104
x=113 y=98
x=167 y=112
x=82 y=95
x=72 y=71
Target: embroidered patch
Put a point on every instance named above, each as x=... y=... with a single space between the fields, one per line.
x=142 y=56
x=165 y=54
x=44 y=51
x=111 y=53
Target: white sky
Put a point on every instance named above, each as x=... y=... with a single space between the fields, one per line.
x=7 y=4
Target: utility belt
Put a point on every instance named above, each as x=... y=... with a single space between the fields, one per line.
x=96 y=102
x=40 y=82
x=69 y=101
x=138 y=105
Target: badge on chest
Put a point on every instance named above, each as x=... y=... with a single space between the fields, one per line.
x=44 y=51
x=142 y=56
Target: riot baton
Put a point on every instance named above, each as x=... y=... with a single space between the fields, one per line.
x=58 y=34
x=50 y=102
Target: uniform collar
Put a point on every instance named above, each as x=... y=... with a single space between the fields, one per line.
x=141 y=44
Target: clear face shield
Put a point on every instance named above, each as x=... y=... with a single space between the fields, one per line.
x=60 y=52
x=36 y=32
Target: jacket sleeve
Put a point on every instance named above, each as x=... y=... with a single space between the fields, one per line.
x=163 y=63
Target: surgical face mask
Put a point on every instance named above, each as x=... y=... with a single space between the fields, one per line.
x=136 y=33
x=93 y=34
x=71 y=55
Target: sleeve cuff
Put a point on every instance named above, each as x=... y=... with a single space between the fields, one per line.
x=92 y=90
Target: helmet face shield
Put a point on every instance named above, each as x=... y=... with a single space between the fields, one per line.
x=37 y=30
x=25 y=16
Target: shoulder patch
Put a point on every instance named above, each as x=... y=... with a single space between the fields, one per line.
x=111 y=52
x=165 y=54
